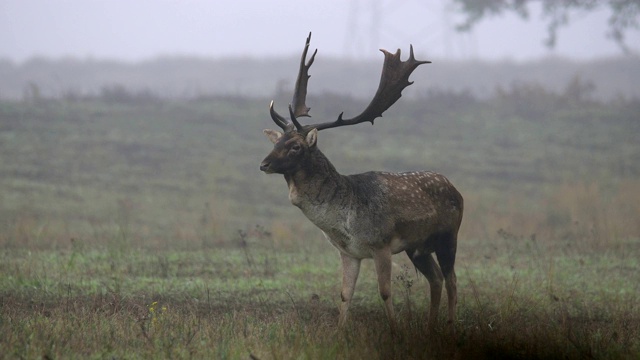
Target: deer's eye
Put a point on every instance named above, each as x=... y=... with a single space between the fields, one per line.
x=295 y=148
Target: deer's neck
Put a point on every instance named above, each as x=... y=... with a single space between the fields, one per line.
x=315 y=182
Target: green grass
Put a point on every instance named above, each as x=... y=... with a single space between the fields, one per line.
x=145 y=230
x=190 y=168
x=236 y=301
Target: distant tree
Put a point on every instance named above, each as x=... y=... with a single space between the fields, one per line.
x=32 y=93
x=624 y=14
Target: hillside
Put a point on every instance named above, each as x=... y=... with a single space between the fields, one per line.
x=188 y=169
x=181 y=77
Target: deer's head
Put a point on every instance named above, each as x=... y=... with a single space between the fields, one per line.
x=298 y=141
x=289 y=150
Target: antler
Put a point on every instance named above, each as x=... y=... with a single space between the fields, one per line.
x=394 y=78
x=300 y=92
x=297 y=106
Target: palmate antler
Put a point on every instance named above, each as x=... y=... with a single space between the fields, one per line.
x=394 y=78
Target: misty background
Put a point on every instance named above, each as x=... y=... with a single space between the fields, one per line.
x=194 y=47
x=144 y=29
x=147 y=115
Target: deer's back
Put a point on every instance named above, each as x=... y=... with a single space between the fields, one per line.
x=406 y=208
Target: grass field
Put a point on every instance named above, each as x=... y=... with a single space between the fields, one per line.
x=519 y=298
x=143 y=229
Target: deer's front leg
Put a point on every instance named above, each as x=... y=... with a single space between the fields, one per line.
x=350 y=271
x=382 y=261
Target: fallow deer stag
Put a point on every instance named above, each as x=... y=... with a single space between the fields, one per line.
x=374 y=214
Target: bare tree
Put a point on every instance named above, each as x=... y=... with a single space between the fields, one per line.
x=557 y=13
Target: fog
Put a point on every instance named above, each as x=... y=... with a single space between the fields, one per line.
x=144 y=29
x=135 y=221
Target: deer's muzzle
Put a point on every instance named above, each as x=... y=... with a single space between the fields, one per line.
x=266 y=167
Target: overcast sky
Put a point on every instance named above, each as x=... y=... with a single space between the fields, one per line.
x=135 y=30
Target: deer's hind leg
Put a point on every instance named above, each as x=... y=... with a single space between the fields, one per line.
x=382 y=262
x=424 y=262
x=446 y=254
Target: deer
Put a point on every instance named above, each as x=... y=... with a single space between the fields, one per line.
x=372 y=215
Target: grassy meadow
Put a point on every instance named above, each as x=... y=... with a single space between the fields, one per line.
x=138 y=227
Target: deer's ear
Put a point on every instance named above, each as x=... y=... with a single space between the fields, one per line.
x=273 y=135
x=312 y=137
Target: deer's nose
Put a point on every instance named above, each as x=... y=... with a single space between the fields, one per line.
x=264 y=166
